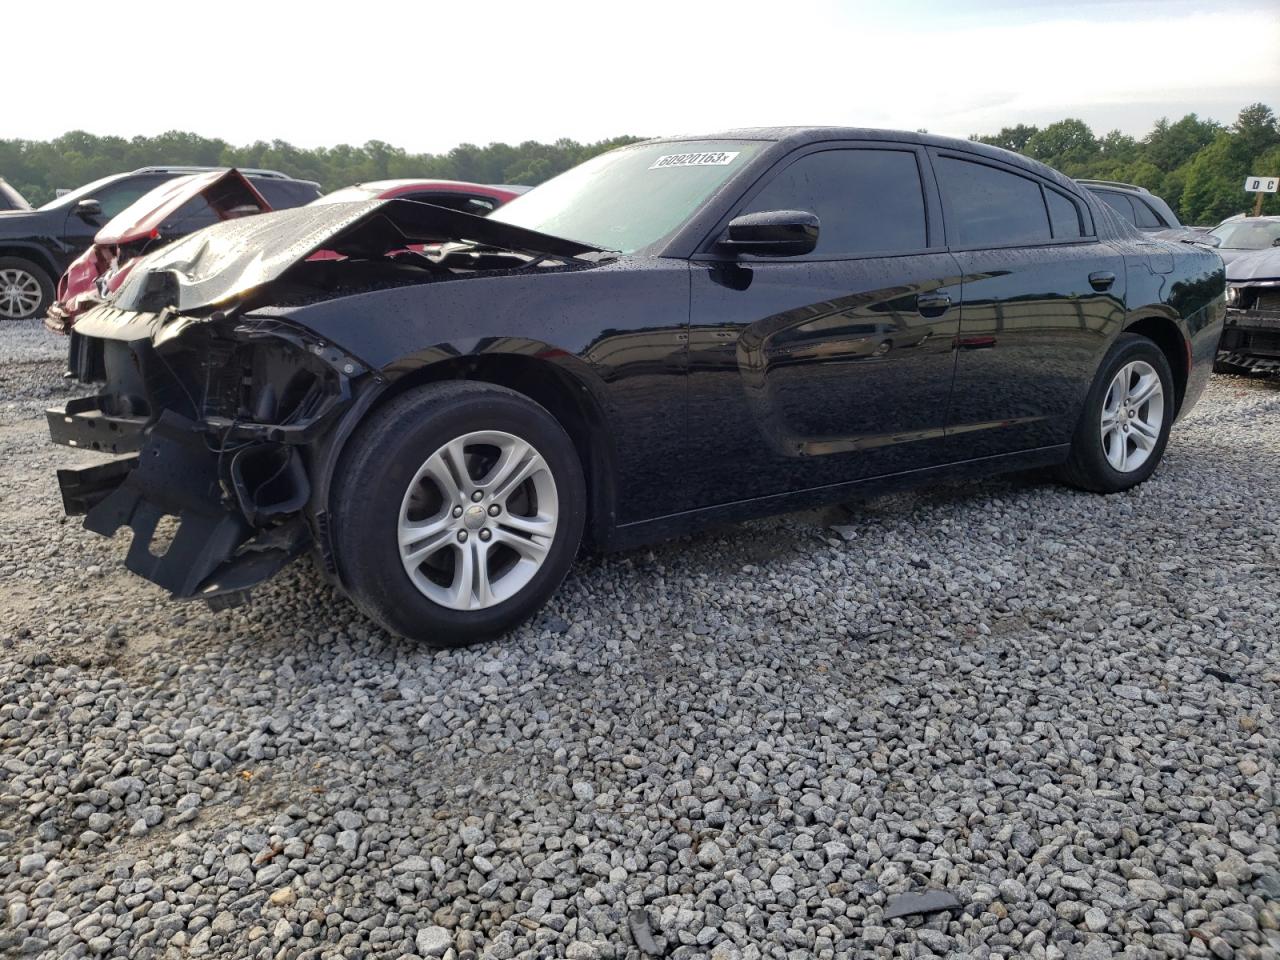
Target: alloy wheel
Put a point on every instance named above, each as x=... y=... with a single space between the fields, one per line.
x=19 y=293
x=1132 y=416
x=477 y=520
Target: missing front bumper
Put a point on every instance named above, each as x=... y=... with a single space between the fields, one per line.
x=86 y=423
x=222 y=416
x=214 y=553
x=1251 y=341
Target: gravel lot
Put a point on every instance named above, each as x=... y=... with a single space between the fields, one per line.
x=1059 y=707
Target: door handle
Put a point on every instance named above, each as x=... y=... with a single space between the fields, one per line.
x=1102 y=280
x=933 y=304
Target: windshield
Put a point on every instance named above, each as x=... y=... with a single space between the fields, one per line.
x=1247 y=234
x=80 y=193
x=631 y=198
x=16 y=200
x=346 y=195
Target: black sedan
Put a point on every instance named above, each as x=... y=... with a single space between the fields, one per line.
x=443 y=407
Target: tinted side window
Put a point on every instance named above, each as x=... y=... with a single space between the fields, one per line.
x=1146 y=216
x=1121 y=205
x=116 y=196
x=990 y=207
x=283 y=194
x=1064 y=216
x=868 y=201
x=190 y=217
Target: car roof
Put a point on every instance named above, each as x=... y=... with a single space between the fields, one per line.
x=791 y=137
x=1115 y=185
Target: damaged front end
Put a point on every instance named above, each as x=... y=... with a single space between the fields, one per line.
x=211 y=421
x=1251 y=336
x=221 y=416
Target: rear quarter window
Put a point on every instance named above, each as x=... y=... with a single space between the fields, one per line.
x=1120 y=204
x=1064 y=215
x=1146 y=217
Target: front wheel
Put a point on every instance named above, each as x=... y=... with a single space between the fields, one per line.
x=1125 y=424
x=26 y=290
x=457 y=512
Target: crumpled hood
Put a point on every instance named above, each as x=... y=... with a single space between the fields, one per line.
x=230 y=260
x=1259 y=265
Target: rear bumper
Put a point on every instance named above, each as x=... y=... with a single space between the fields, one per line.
x=1251 y=340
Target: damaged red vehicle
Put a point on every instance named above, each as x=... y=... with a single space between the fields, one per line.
x=478 y=198
x=173 y=209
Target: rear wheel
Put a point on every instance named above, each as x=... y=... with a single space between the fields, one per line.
x=457 y=512
x=1125 y=424
x=26 y=290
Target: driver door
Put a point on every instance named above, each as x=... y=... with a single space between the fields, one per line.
x=834 y=366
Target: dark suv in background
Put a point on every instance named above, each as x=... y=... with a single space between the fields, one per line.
x=1142 y=208
x=36 y=246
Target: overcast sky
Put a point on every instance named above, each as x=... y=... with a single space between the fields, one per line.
x=428 y=75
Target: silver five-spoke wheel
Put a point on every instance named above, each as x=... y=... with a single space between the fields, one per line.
x=477 y=520
x=19 y=293
x=1132 y=415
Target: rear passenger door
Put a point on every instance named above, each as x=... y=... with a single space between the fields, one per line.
x=834 y=366
x=1042 y=298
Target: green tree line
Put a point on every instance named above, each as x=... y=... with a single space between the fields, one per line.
x=37 y=168
x=1198 y=166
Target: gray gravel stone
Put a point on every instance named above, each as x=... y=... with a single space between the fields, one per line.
x=756 y=737
x=433 y=941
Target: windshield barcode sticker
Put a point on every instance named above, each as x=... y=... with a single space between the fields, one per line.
x=716 y=159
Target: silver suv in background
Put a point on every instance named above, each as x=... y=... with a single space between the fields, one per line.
x=1142 y=208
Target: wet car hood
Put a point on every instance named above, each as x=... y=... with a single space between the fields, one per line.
x=231 y=260
x=1259 y=265
x=25 y=223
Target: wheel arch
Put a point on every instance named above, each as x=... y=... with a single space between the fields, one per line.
x=544 y=376
x=36 y=254
x=1168 y=335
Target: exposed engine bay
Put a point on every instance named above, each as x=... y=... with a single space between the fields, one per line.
x=220 y=418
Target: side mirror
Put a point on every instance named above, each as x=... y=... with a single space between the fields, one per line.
x=89 y=209
x=1276 y=242
x=772 y=233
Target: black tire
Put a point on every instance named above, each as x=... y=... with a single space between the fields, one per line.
x=1087 y=466
x=381 y=461
x=42 y=279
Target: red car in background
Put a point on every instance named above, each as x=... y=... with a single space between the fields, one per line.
x=184 y=204
x=173 y=209
x=477 y=198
